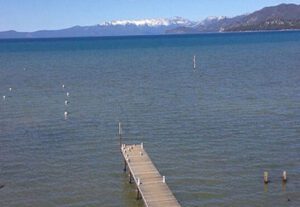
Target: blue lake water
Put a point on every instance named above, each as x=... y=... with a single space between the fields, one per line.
x=212 y=132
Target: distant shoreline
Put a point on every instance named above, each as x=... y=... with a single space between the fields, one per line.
x=155 y=35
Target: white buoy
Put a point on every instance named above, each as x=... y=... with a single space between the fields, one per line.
x=4 y=97
x=10 y=89
x=66 y=102
x=68 y=94
x=66 y=114
x=63 y=86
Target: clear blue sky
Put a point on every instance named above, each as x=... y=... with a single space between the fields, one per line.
x=31 y=15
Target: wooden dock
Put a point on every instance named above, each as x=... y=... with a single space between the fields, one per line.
x=151 y=186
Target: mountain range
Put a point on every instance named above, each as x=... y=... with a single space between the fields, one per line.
x=280 y=17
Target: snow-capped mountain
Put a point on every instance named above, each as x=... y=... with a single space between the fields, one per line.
x=178 y=21
x=209 y=24
x=212 y=19
x=280 y=17
x=110 y=28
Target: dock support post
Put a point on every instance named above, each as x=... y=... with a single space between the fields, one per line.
x=266 y=179
x=137 y=189
x=125 y=165
x=137 y=194
x=130 y=178
x=138 y=181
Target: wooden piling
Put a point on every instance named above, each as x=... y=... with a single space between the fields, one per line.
x=125 y=166
x=266 y=179
x=284 y=177
x=194 y=61
x=120 y=134
x=130 y=177
x=137 y=194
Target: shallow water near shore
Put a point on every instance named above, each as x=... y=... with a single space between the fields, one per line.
x=212 y=131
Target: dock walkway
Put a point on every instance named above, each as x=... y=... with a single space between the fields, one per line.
x=151 y=186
